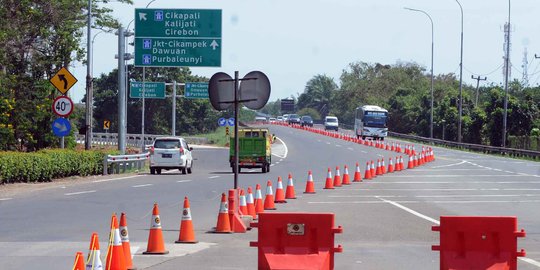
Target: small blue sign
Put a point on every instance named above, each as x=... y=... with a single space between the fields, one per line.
x=222 y=122
x=230 y=121
x=158 y=15
x=61 y=127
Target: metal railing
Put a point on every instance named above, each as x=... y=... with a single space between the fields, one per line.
x=124 y=162
x=133 y=139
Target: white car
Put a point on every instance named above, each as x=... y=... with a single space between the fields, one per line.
x=167 y=153
x=331 y=122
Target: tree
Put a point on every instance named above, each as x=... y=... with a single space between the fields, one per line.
x=317 y=94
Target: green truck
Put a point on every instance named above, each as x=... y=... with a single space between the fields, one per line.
x=254 y=149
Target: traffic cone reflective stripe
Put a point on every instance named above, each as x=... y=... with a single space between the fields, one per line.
x=289 y=193
x=155 y=237
x=223 y=224
x=124 y=236
x=357 y=174
x=367 y=173
x=329 y=183
x=280 y=194
x=269 y=197
x=243 y=203
x=310 y=186
x=93 y=261
x=346 y=177
x=251 y=204
x=79 y=262
x=187 y=233
x=337 y=178
x=259 y=207
x=390 y=165
x=115 y=254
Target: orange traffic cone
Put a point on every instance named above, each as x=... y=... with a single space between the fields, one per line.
x=415 y=160
x=310 y=187
x=79 y=262
x=337 y=178
x=155 y=238
x=280 y=194
x=329 y=184
x=93 y=261
x=115 y=253
x=373 y=171
x=243 y=203
x=251 y=204
x=187 y=234
x=125 y=241
x=259 y=207
x=346 y=177
x=289 y=193
x=378 y=170
x=410 y=164
x=357 y=174
x=401 y=165
x=223 y=223
x=390 y=165
x=367 y=173
x=269 y=197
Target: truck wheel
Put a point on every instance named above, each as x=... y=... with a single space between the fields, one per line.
x=152 y=171
x=264 y=168
x=190 y=168
x=158 y=171
x=184 y=171
x=268 y=167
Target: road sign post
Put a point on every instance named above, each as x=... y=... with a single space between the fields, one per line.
x=178 y=37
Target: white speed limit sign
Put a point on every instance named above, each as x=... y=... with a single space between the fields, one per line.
x=62 y=106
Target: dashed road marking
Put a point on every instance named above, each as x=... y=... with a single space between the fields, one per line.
x=450 y=165
x=338 y=145
x=144 y=185
x=115 y=179
x=183 y=181
x=212 y=177
x=410 y=211
x=350 y=148
x=5 y=199
x=80 y=192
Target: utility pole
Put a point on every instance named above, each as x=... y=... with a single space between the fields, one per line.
x=122 y=96
x=89 y=79
x=507 y=70
x=478 y=79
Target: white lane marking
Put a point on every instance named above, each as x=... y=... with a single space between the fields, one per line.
x=367 y=196
x=183 y=181
x=450 y=165
x=212 y=177
x=337 y=145
x=81 y=192
x=272 y=165
x=531 y=261
x=328 y=143
x=443 y=170
x=350 y=148
x=454 y=176
x=281 y=159
x=438 y=202
x=478 y=195
x=451 y=182
x=115 y=179
x=277 y=162
x=5 y=199
x=410 y=211
x=319 y=140
x=144 y=185
x=362 y=151
x=284 y=146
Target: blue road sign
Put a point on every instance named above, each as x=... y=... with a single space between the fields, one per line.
x=61 y=127
x=222 y=122
x=230 y=121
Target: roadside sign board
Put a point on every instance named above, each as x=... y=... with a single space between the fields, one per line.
x=62 y=106
x=196 y=90
x=61 y=127
x=222 y=122
x=106 y=124
x=63 y=80
x=151 y=90
x=178 y=37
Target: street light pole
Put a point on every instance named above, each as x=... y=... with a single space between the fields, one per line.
x=89 y=86
x=432 y=46
x=507 y=65
x=460 y=104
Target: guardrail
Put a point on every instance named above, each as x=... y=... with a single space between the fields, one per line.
x=124 y=162
x=469 y=146
x=133 y=139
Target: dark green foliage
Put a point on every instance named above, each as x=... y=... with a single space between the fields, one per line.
x=46 y=165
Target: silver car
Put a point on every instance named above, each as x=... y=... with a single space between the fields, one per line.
x=170 y=153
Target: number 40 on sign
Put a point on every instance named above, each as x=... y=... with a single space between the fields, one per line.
x=62 y=106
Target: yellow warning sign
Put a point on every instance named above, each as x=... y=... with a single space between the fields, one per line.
x=106 y=124
x=63 y=80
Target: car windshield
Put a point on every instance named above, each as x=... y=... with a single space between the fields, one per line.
x=375 y=121
x=306 y=118
x=294 y=116
x=331 y=120
x=167 y=144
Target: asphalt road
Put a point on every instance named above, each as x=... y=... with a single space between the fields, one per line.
x=387 y=221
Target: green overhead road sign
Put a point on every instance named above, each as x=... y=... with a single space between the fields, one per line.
x=178 y=37
x=151 y=90
x=196 y=90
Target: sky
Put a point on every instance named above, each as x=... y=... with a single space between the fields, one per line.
x=292 y=41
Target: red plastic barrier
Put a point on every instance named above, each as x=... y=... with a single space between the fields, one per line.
x=478 y=242
x=296 y=241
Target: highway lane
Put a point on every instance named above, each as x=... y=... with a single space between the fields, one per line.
x=386 y=220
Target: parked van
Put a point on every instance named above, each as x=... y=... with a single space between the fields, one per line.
x=331 y=122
